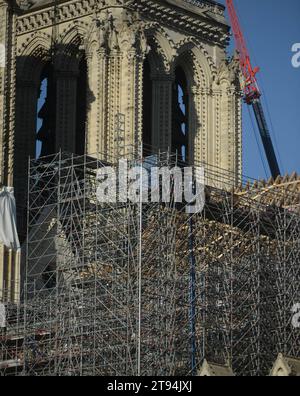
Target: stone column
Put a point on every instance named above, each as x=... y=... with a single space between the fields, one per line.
x=66 y=93
x=2 y=113
x=9 y=275
x=202 y=125
x=215 y=157
x=7 y=90
x=162 y=111
x=237 y=136
x=9 y=266
x=1 y=271
x=127 y=47
x=97 y=101
x=25 y=139
x=132 y=96
x=113 y=100
x=3 y=85
x=227 y=124
x=227 y=108
x=225 y=117
x=231 y=129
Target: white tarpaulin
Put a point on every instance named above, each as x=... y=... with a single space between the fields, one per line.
x=2 y=316
x=8 y=228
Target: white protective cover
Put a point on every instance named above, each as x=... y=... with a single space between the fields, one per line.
x=8 y=227
x=2 y=315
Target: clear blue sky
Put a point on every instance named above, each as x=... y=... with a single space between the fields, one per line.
x=271 y=27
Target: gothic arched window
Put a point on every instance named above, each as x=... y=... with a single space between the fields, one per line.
x=72 y=122
x=180 y=113
x=46 y=113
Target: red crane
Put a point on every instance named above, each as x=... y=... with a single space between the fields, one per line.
x=251 y=89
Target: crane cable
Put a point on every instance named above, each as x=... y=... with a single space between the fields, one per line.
x=257 y=141
x=272 y=129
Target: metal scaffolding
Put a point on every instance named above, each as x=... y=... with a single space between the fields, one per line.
x=126 y=288
x=11 y=338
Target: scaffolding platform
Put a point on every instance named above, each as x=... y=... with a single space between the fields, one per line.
x=146 y=289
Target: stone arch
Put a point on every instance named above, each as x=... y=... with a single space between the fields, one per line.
x=33 y=54
x=32 y=57
x=71 y=47
x=204 y=70
x=162 y=49
x=199 y=71
x=156 y=62
x=77 y=32
x=159 y=60
x=92 y=39
x=196 y=62
x=186 y=61
x=181 y=106
x=71 y=69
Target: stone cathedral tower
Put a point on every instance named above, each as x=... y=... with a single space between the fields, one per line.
x=94 y=59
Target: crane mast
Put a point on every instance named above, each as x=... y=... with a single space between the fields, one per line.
x=252 y=93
